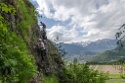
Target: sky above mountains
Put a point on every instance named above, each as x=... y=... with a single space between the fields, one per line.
x=81 y=20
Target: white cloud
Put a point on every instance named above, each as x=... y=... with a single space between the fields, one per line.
x=63 y=33
x=88 y=19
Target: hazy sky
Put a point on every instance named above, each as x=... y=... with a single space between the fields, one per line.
x=82 y=20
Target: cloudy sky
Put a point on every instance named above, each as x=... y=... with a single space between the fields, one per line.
x=82 y=20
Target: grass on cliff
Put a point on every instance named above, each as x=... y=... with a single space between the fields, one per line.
x=17 y=65
x=50 y=79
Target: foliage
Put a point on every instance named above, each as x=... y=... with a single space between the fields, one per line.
x=7 y=8
x=108 y=56
x=28 y=20
x=80 y=73
x=61 y=50
x=16 y=64
x=50 y=79
x=52 y=48
x=120 y=36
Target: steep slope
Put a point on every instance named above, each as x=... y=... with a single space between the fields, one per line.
x=18 y=56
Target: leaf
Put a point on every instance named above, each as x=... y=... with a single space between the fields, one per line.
x=7 y=9
x=0 y=81
x=6 y=63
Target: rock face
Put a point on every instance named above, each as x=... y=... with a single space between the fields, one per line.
x=24 y=24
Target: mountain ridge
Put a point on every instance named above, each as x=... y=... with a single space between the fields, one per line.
x=91 y=49
x=105 y=44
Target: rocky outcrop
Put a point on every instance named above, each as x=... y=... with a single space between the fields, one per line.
x=30 y=33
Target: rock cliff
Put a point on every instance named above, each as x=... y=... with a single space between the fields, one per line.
x=24 y=24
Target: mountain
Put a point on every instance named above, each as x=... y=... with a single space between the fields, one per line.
x=88 y=49
x=96 y=46
x=109 y=56
x=101 y=45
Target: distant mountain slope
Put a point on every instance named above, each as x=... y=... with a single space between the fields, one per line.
x=110 y=55
x=72 y=48
x=101 y=45
x=91 y=47
x=85 y=50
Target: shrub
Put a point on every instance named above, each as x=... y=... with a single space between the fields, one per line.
x=80 y=73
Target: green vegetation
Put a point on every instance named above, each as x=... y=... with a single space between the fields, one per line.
x=76 y=73
x=50 y=79
x=120 y=36
x=16 y=64
x=115 y=78
x=110 y=69
x=27 y=20
x=108 y=56
x=80 y=73
x=53 y=48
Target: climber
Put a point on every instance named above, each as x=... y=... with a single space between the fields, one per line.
x=42 y=24
x=43 y=31
x=41 y=49
x=43 y=34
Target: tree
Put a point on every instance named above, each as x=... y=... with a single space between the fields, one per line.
x=61 y=50
x=120 y=36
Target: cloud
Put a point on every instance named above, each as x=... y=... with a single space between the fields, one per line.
x=84 y=19
x=63 y=34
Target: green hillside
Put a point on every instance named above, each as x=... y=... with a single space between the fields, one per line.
x=109 y=56
x=19 y=60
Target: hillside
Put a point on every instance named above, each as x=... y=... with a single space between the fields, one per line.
x=109 y=56
x=19 y=32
